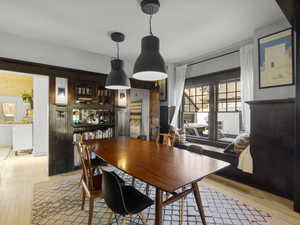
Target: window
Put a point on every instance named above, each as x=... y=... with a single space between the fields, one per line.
x=196 y=108
x=211 y=107
x=229 y=104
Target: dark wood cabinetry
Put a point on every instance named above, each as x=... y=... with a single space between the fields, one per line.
x=272 y=144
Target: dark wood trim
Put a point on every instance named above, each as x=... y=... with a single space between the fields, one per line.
x=286 y=100
x=61 y=154
x=288 y=7
x=21 y=66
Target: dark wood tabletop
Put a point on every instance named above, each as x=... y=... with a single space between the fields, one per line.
x=159 y=165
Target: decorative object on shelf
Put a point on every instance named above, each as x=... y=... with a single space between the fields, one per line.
x=122 y=98
x=61 y=90
x=27 y=98
x=117 y=78
x=150 y=65
x=276 y=59
x=163 y=89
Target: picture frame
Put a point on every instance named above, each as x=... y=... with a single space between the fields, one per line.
x=122 y=98
x=163 y=89
x=61 y=91
x=276 y=59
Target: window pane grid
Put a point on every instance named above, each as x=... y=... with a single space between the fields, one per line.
x=196 y=99
x=229 y=96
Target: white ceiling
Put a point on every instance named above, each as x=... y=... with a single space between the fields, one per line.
x=186 y=28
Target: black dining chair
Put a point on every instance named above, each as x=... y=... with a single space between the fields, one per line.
x=123 y=200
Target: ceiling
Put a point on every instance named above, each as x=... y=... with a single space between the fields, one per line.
x=187 y=29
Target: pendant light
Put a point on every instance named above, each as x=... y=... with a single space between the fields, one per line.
x=150 y=65
x=117 y=78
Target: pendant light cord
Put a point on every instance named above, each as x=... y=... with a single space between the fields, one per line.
x=150 y=24
x=118 y=51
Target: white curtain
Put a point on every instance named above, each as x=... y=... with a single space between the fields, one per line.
x=246 y=60
x=180 y=73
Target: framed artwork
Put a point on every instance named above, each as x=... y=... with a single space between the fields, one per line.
x=122 y=98
x=276 y=56
x=163 y=89
x=61 y=89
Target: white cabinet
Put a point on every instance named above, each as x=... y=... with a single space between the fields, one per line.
x=22 y=137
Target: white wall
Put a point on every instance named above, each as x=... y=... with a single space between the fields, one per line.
x=16 y=47
x=225 y=62
x=40 y=115
x=144 y=95
x=276 y=92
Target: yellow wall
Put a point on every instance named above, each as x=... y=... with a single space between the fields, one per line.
x=14 y=85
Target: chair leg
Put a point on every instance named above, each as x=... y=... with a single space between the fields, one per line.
x=141 y=214
x=81 y=178
x=91 y=210
x=181 y=208
x=110 y=219
x=133 y=181
x=147 y=189
x=82 y=199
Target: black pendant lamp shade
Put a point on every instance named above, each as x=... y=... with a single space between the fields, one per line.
x=117 y=78
x=150 y=65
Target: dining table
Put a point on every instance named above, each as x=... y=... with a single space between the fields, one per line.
x=168 y=169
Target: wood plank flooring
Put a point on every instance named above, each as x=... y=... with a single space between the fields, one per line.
x=19 y=174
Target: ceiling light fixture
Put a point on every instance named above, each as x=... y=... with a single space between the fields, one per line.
x=117 y=78
x=150 y=65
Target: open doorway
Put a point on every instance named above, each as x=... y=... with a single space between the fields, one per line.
x=24 y=121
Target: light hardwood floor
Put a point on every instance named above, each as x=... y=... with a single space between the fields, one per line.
x=19 y=174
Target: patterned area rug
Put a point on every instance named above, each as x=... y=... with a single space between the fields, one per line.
x=58 y=202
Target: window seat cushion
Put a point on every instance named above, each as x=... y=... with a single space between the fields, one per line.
x=213 y=152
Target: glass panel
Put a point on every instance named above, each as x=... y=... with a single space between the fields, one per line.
x=222 y=106
x=238 y=94
x=231 y=96
x=205 y=107
x=192 y=92
x=199 y=99
x=192 y=108
x=222 y=87
x=228 y=126
x=187 y=91
x=231 y=86
x=238 y=106
x=199 y=128
x=186 y=108
x=199 y=91
x=205 y=90
x=238 y=85
x=205 y=98
x=193 y=99
x=186 y=100
x=199 y=106
x=222 y=97
x=231 y=106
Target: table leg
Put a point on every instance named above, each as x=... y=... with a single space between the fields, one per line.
x=199 y=202
x=158 y=207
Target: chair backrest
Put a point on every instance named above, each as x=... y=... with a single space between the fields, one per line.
x=86 y=166
x=112 y=193
x=166 y=138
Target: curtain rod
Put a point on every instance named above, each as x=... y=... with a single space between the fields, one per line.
x=205 y=60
